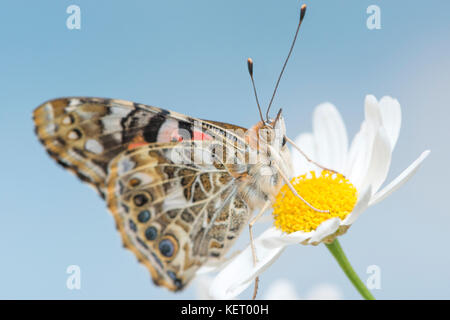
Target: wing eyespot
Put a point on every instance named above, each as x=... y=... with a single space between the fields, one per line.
x=151 y=233
x=168 y=246
x=140 y=199
x=144 y=216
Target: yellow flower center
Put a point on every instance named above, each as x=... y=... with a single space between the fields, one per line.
x=328 y=191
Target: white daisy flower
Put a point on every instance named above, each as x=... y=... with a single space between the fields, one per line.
x=364 y=167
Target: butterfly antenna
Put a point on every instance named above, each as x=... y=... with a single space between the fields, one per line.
x=302 y=15
x=277 y=118
x=250 y=71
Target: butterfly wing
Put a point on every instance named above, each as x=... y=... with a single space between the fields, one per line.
x=84 y=134
x=175 y=210
x=192 y=207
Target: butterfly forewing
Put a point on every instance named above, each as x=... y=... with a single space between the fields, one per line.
x=85 y=134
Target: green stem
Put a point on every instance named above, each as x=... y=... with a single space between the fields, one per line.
x=339 y=255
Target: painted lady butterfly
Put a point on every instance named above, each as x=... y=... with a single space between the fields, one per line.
x=175 y=212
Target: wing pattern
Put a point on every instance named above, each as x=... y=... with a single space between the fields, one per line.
x=174 y=214
x=176 y=203
x=85 y=134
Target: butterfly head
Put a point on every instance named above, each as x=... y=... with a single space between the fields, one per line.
x=278 y=149
x=268 y=139
x=268 y=133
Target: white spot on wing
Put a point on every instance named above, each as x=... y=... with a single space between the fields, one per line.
x=73 y=135
x=70 y=108
x=72 y=105
x=111 y=124
x=49 y=115
x=175 y=199
x=144 y=178
x=74 y=102
x=67 y=120
x=119 y=111
x=93 y=146
x=125 y=165
x=117 y=136
x=50 y=128
x=168 y=131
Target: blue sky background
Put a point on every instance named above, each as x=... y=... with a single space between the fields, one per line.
x=190 y=56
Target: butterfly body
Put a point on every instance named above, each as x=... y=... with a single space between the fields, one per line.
x=180 y=189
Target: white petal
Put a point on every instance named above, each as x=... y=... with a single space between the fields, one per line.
x=360 y=207
x=379 y=163
x=372 y=111
x=326 y=228
x=241 y=271
x=306 y=142
x=273 y=238
x=391 y=115
x=216 y=266
x=400 y=180
x=359 y=156
x=330 y=137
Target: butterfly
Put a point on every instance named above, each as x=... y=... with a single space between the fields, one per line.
x=180 y=189
x=173 y=211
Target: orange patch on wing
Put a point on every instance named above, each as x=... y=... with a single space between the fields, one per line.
x=198 y=135
x=137 y=142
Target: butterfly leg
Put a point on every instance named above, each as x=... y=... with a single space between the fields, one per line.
x=289 y=184
x=252 y=244
x=307 y=158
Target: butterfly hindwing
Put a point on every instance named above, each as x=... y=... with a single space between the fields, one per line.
x=175 y=213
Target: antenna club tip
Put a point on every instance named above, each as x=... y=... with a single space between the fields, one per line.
x=250 y=66
x=302 y=11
